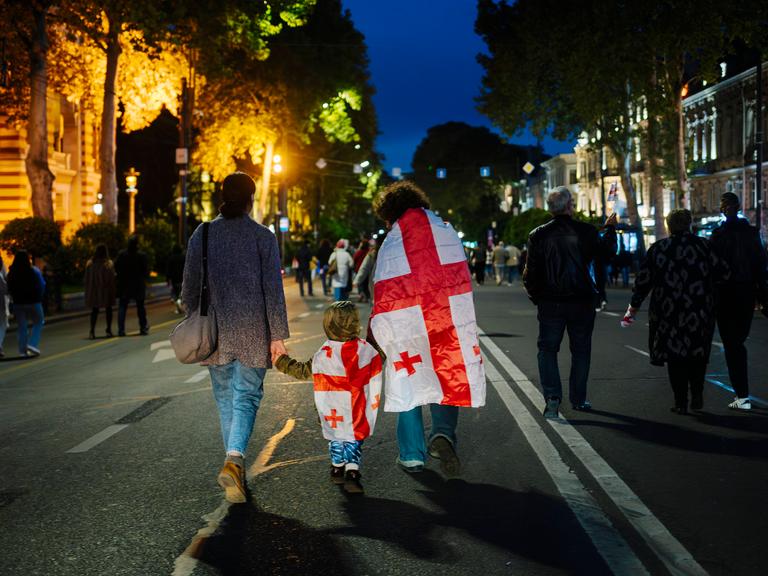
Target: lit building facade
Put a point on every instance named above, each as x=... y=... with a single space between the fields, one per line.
x=73 y=137
x=721 y=125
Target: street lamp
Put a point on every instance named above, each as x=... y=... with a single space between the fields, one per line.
x=131 y=178
x=98 y=208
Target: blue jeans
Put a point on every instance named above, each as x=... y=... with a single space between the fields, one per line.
x=29 y=313
x=554 y=318
x=340 y=294
x=238 y=391
x=410 y=430
x=348 y=454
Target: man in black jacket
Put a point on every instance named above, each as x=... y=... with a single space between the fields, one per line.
x=559 y=279
x=738 y=243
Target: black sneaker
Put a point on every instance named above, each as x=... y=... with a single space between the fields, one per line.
x=552 y=409
x=352 y=482
x=585 y=406
x=337 y=474
x=442 y=449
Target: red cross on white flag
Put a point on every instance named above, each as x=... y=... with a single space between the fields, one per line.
x=347 y=382
x=424 y=316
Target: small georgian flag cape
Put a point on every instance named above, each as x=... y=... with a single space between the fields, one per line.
x=424 y=317
x=347 y=381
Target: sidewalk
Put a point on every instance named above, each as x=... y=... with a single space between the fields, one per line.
x=73 y=305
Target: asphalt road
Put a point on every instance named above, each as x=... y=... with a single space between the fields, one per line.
x=109 y=451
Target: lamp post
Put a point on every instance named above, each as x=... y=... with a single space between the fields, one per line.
x=131 y=178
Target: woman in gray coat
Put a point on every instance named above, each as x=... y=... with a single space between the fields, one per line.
x=246 y=291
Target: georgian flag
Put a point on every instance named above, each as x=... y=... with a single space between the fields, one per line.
x=424 y=317
x=347 y=379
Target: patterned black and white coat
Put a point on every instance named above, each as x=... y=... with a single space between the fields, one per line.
x=679 y=273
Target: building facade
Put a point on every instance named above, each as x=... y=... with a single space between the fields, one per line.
x=73 y=137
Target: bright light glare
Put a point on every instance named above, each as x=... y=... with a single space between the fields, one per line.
x=365 y=164
x=461 y=235
x=277 y=159
x=325 y=104
x=357 y=146
x=98 y=209
x=375 y=236
x=369 y=174
x=381 y=231
x=277 y=168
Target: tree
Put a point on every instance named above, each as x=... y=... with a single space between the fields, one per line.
x=41 y=237
x=27 y=24
x=470 y=201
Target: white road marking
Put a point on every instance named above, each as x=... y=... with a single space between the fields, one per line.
x=718 y=344
x=612 y=314
x=200 y=376
x=319 y=306
x=667 y=548
x=609 y=543
x=97 y=438
x=304 y=314
x=162 y=344
x=163 y=354
x=643 y=352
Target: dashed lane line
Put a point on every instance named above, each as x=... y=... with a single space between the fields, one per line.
x=611 y=546
x=667 y=548
x=643 y=352
x=97 y=438
x=199 y=377
x=616 y=314
x=304 y=315
x=319 y=306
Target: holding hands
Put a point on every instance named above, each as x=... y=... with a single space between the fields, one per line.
x=277 y=349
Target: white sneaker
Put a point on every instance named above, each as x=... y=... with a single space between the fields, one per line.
x=32 y=350
x=741 y=404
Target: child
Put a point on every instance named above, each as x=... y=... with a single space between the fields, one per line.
x=347 y=376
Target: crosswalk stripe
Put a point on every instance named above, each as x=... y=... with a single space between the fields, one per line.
x=98 y=438
x=202 y=375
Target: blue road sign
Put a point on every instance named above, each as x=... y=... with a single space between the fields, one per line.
x=442 y=173
x=485 y=171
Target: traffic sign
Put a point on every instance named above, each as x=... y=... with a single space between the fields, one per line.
x=284 y=224
x=485 y=171
x=397 y=172
x=442 y=173
x=528 y=168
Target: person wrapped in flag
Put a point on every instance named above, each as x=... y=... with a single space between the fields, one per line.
x=346 y=372
x=423 y=320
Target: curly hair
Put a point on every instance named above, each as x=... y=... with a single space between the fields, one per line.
x=341 y=321
x=393 y=201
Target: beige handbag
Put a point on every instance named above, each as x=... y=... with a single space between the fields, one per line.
x=195 y=338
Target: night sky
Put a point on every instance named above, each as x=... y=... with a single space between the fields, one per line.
x=424 y=70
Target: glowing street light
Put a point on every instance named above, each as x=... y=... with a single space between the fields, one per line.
x=98 y=208
x=277 y=166
x=131 y=179
x=365 y=164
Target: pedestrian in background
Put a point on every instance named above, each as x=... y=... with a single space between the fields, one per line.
x=324 y=252
x=245 y=289
x=340 y=268
x=478 y=258
x=363 y=277
x=4 y=313
x=303 y=268
x=500 y=256
x=27 y=288
x=344 y=353
x=679 y=273
x=513 y=258
x=558 y=280
x=174 y=274
x=738 y=243
x=100 y=288
x=132 y=270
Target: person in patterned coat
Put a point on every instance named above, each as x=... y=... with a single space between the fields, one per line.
x=679 y=273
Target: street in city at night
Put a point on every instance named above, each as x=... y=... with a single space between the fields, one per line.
x=109 y=448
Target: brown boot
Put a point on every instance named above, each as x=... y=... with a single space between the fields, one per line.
x=232 y=479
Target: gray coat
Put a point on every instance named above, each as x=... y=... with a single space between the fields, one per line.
x=246 y=289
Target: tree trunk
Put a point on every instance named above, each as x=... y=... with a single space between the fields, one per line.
x=39 y=174
x=265 y=181
x=656 y=182
x=682 y=174
x=108 y=187
x=629 y=191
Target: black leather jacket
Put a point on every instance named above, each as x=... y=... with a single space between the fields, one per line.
x=561 y=254
x=738 y=243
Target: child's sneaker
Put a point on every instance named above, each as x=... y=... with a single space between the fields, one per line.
x=352 y=482
x=337 y=474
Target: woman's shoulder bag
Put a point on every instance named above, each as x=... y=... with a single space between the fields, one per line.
x=195 y=338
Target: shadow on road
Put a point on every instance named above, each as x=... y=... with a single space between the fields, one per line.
x=527 y=524
x=251 y=541
x=686 y=438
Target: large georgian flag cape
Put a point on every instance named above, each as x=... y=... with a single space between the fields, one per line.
x=424 y=317
x=347 y=379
